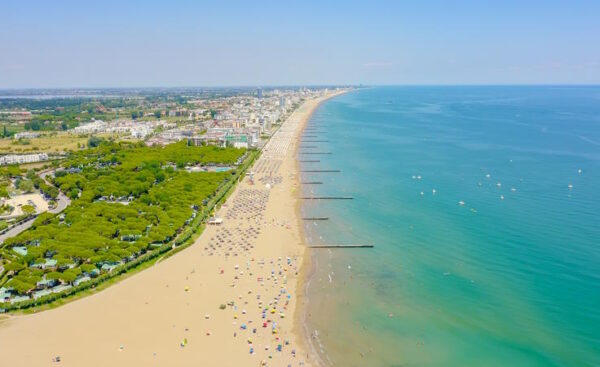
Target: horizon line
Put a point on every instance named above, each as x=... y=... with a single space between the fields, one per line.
x=273 y=86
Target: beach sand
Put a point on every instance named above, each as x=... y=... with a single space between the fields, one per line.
x=171 y=314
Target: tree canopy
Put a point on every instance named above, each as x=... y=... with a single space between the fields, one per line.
x=126 y=197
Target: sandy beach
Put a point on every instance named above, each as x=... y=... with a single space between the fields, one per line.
x=228 y=300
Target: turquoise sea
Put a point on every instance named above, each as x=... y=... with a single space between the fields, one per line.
x=499 y=266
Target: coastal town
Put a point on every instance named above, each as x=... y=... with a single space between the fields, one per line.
x=299 y=183
x=239 y=118
x=207 y=217
x=39 y=183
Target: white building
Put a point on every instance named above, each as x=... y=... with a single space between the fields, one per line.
x=22 y=158
x=26 y=135
x=97 y=126
x=141 y=132
x=282 y=103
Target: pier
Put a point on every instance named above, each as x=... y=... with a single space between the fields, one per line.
x=314 y=152
x=309 y=161
x=315 y=141
x=311 y=183
x=315 y=218
x=341 y=246
x=322 y=170
x=327 y=198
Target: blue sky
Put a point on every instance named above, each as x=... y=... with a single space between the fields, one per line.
x=196 y=43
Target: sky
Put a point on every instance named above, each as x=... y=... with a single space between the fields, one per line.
x=64 y=44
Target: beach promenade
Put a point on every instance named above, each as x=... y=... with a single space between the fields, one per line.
x=228 y=300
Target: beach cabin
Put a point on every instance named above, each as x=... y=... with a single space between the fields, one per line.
x=5 y=294
x=94 y=273
x=61 y=288
x=81 y=279
x=46 y=283
x=64 y=267
x=42 y=293
x=48 y=264
x=131 y=237
x=19 y=299
x=21 y=250
x=108 y=267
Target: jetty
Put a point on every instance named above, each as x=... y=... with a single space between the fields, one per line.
x=327 y=198
x=309 y=161
x=311 y=183
x=322 y=170
x=315 y=141
x=341 y=246
x=315 y=218
x=314 y=152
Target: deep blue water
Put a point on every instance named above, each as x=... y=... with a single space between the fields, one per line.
x=512 y=277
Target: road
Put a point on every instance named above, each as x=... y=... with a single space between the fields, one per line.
x=16 y=230
x=62 y=201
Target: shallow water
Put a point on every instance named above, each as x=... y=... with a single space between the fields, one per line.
x=512 y=277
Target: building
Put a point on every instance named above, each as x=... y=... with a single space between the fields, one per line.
x=81 y=279
x=46 y=283
x=22 y=158
x=21 y=250
x=47 y=264
x=237 y=141
x=282 y=103
x=141 y=132
x=26 y=135
x=18 y=299
x=97 y=126
x=259 y=93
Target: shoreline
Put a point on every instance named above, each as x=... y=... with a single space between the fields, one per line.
x=169 y=314
x=308 y=266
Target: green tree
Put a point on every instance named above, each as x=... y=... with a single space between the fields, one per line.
x=28 y=209
x=74 y=194
x=68 y=276
x=25 y=186
x=94 y=141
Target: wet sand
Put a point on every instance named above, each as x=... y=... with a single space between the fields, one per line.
x=228 y=300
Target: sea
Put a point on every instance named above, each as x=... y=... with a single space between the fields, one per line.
x=483 y=206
